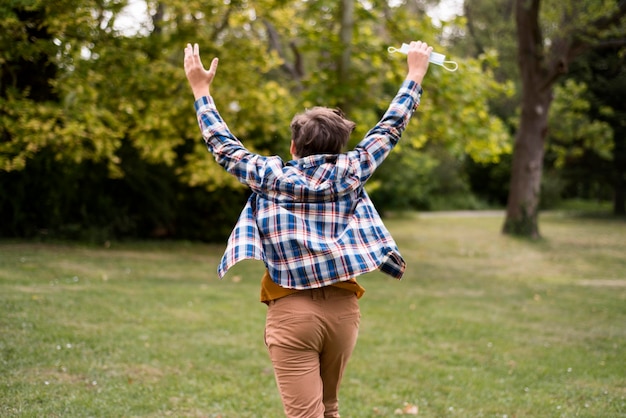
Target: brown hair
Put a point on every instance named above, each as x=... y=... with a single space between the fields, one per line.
x=320 y=130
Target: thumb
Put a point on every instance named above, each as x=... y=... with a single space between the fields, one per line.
x=213 y=67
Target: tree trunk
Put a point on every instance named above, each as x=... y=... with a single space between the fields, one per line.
x=527 y=167
x=524 y=193
x=346 y=18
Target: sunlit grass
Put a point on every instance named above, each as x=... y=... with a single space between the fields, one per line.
x=482 y=325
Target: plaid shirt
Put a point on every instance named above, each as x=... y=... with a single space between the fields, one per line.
x=310 y=220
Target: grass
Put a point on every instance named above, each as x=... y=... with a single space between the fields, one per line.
x=482 y=325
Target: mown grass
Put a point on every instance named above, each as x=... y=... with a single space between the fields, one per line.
x=482 y=325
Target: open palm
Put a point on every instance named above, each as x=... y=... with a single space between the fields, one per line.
x=199 y=78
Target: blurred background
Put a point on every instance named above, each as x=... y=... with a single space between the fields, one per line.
x=98 y=137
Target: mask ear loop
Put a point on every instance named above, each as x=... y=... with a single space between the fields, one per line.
x=392 y=50
x=452 y=66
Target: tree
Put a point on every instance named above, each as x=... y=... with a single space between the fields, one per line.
x=490 y=26
x=108 y=135
x=604 y=73
x=577 y=27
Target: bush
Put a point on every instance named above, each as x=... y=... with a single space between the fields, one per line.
x=79 y=201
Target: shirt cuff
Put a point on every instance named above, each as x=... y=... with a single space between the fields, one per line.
x=204 y=103
x=414 y=89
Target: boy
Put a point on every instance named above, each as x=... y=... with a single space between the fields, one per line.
x=315 y=228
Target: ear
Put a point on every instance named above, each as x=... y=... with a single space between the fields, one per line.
x=292 y=149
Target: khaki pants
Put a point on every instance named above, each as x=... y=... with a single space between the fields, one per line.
x=310 y=336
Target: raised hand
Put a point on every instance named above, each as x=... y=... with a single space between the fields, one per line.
x=417 y=60
x=199 y=78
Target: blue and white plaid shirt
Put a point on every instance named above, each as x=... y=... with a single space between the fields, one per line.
x=310 y=220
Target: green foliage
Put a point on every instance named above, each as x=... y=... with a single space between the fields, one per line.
x=453 y=123
x=489 y=181
x=97 y=97
x=50 y=199
x=76 y=93
x=488 y=28
x=584 y=154
x=552 y=186
x=604 y=74
x=460 y=116
x=405 y=181
x=573 y=132
x=560 y=18
x=579 y=148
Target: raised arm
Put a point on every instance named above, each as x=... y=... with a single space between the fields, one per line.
x=381 y=139
x=249 y=168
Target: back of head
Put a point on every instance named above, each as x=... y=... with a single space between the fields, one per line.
x=320 y=130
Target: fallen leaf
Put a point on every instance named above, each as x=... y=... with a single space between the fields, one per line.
x=408 y=409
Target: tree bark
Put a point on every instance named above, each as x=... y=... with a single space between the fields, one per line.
x=524 y=193
x=527 y=166
x=346 y=12
x=295 y=69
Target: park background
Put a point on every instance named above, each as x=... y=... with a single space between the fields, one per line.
x=99 y=138
x=114 y=214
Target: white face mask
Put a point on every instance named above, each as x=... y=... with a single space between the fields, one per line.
x=435 y=58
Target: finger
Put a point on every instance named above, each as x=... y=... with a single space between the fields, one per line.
x=196 y=56
x=193 y=58
x=417 y=45
x=213 y=68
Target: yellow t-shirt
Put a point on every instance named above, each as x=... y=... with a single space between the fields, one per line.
x=271 y=291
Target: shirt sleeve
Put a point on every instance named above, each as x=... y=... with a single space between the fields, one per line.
x=249 y=168
x=381 y=139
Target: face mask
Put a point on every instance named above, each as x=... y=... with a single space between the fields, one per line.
x=435 y=58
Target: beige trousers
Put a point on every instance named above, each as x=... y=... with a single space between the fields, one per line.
x=310 y=336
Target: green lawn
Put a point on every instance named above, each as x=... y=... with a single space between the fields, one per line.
x=482 y=325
